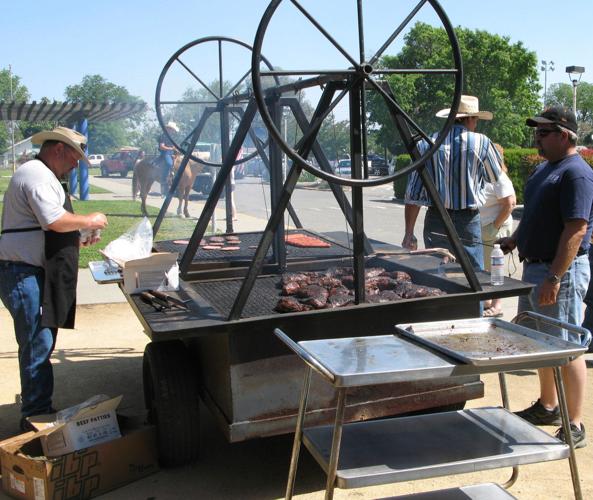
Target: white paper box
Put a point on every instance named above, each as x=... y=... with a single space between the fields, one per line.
x=157 y=272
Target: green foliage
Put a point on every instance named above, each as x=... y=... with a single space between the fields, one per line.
x=501 y=74
x=562 y=94
x=105 y=137
x=20 y=93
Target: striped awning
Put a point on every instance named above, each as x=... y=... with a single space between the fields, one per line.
x=67 y=112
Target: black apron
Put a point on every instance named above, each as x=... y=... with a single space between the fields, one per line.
x=61 y=273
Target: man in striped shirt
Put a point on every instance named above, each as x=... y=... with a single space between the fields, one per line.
x=461 y=167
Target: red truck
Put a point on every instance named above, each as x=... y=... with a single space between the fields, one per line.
x=121 y=162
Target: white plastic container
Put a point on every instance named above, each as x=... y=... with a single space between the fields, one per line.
x=497 y=266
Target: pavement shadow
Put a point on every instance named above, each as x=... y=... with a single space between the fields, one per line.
x=82 y=373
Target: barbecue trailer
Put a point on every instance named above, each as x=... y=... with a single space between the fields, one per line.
x=219 y=348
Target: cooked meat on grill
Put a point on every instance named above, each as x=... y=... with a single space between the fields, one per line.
x=216 y=239
x=339 y=300
x=308 y=291
x=305 y=241
x=290 y=304
x=412 y=291
x=397 y=275
x=334 y=288
x=230 y=249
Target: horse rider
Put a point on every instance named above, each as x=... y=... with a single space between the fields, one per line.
x=166 y=152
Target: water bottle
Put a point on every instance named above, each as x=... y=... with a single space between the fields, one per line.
x=497 y=266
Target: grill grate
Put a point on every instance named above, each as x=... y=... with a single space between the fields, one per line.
x=252 y=240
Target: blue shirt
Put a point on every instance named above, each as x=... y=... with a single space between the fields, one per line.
x=460 y=168
x=555 y=193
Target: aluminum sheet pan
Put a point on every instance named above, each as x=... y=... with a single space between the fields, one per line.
x=489 y=341
x=105 y=272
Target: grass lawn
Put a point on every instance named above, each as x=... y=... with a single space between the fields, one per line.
x=122 y=215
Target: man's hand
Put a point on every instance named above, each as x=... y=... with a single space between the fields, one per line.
x=410 y=242
x=507 y=244
x=96 y=220
x=548 y=292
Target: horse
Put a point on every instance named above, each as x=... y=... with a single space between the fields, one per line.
x=191 y=171
x=146 y=172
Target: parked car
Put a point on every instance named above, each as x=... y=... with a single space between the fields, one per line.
x=95 y=160
x=378 y=165
x=121 y=162
x=344 y=168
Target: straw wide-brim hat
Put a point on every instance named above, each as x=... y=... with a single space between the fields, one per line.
x=172 y=126
x=72 y=138
x=468 y=106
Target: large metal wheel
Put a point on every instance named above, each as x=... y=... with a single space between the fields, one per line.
x=207 y=97
x=361 y=76
x=171 y=398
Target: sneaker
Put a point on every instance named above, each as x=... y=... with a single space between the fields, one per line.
x=579 y=437
x=25 y=425
x=537 y=414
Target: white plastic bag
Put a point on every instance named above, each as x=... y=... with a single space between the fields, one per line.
x=135 y=243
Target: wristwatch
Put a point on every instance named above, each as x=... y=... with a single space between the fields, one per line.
x=553 y=278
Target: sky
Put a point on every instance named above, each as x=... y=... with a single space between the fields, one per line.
x=51 y=45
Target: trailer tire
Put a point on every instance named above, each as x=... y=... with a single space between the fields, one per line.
x=171 y=398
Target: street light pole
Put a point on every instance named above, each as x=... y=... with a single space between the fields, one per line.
x=573 y=73
x=545 y=67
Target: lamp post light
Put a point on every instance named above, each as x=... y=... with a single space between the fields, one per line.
x=545 y=67
x=573 y=73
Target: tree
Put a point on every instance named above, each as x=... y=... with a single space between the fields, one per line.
x=502 y=75
x=562 y=94
x=105 y=136
x=20 y=93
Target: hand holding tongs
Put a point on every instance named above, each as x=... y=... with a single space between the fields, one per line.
x=161 y=301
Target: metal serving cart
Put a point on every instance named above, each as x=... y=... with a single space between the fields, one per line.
x=418 y=447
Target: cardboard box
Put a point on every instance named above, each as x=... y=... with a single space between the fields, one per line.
x=85 y=425
x=158 y=272
x=28 y=474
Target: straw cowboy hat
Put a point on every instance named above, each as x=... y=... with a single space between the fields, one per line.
x=72 y=138
x=468 y=106
x=172 y=126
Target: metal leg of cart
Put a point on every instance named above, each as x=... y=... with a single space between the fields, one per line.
x=505 y=403
x=574 y=471
x=298 y=434
x=336 y=441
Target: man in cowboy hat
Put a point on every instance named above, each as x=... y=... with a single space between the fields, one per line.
x=553 y=239
x=166 y=150
x=465 y=161
x=39 y=259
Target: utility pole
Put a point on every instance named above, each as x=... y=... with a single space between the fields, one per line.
x=12 y=122
x=545 y=67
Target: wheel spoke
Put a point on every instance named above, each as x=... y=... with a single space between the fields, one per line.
x=241 y=80
x=394 y=104
x=220 y=76
x=360 y=31
x=397 y=31
x=188 y=102
x=325 y=33
x=298 y=72
x=416 y=71
x=199 y=80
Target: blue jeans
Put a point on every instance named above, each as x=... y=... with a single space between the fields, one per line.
x=21 y=290
x=468 y=227
x=568 y=306
x=166 y=160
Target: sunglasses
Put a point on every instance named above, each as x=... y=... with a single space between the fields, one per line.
x=543 y=132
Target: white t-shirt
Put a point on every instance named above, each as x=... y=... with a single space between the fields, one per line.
x=492 y=193
x=34 y=198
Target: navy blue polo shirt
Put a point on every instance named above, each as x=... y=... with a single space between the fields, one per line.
x=555 y=193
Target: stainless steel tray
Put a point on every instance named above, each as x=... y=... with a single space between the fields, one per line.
x=105 y=272
x=489 y=341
